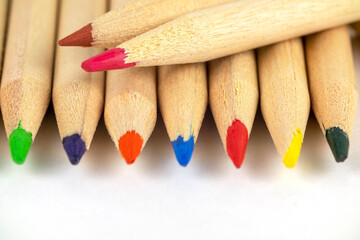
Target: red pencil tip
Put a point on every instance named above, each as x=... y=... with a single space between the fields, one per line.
x=81 y=37
x=109 y=60
x=130 y=145
x=236 y=142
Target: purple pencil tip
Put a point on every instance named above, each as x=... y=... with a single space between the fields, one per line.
x=74 y=147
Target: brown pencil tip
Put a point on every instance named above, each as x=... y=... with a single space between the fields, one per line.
x=82 y=37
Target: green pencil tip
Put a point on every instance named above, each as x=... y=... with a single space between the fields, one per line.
x=338 y=141
x=19 y=143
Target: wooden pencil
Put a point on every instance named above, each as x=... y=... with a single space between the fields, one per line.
x=234 y=97
x=78 y=96
x=333 y=86
x=26 y=80
x=132 y=18
x=130 y=109
x=183 y=97
x=226 y=29
x=3 y=14
x=356 y=26
x=284 y=94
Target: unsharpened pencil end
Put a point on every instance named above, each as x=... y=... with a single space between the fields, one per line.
x=292 y=155
x=183 y=150
x=74 y=147
x=109 y=60
x=236 y=142
x=130 y=145
x=338 y=141
x=82 y=37
x=19 y=142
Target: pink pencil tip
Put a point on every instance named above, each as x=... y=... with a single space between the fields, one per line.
x=109 y=60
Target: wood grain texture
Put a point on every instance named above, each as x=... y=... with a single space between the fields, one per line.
x=78 y=96
x=133 y=17
x=183 y=97
x=332 y=79
x=26 y=80
x=3 y=15
x=285 y=101
x=235 y=27
x=130 y=102
x=233 y=91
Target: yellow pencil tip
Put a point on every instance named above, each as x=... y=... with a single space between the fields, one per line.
x=293 y=152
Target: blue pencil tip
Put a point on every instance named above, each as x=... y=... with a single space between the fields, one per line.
x=74 y=147
x=183 y=150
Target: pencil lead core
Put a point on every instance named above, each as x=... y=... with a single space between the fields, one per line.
x=130 y=145
x=236 y=142
x=338 y=141
x=109 y=60
x=19 y=143
x=74 y=147
x=183 y=149
x=292 y=155
x=82 y=37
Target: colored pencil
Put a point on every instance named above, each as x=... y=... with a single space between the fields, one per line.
x=132 y=18
x=227 y=29
x=3 y=14
x=284 y=94
x=333 y=86
x=356 y=26
x=78 y=96
x=130 y=109
x=183 y=97
x=234 y=97
x=26 y=80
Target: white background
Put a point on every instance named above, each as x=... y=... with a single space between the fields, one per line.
x=155 y=198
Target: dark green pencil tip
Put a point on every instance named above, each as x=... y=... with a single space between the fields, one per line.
x=19 y=143
x=338 y=141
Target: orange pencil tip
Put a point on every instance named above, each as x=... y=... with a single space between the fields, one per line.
x=130 y=145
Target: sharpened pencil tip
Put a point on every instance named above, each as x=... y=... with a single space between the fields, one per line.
x=130 y=145
x=74 y=147
x=183 y=150
x=292 y=155
x=82 y=37
x=109 y=60
x=236 y=142
x=338 y=141
x=19 y=142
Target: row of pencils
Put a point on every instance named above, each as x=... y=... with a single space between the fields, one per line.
x=179 y=37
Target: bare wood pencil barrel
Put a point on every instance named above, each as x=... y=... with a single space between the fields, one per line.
x=285 y=101
x=130 y=107
x=131 y=18
x=183 y=97
x=78 y=96
x=333 y=86
x=227 y=29
x=234 y=97
x=27 y=77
